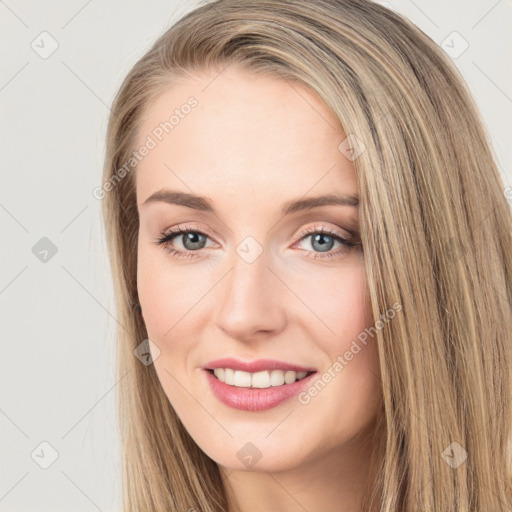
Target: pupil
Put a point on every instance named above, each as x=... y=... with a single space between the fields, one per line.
x=324 y=246
x=193 y=238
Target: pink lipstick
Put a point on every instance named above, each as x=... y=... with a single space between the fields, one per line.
x=254 y=399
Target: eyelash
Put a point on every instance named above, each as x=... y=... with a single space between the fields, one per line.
x=167 y=236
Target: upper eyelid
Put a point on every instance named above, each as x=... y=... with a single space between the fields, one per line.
x=322 y=228
x=178 y=230
x=174 y=232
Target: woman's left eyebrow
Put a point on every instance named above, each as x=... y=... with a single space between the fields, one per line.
x=325 y=200
x=206 y=204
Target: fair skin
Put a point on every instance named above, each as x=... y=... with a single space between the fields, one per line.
x=252 y=144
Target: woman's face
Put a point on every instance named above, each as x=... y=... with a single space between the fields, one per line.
x=260 y=281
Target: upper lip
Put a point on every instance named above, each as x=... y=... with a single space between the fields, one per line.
x=255 y=366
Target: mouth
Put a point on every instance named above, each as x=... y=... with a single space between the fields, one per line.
x=256 y=391
x=258 y=380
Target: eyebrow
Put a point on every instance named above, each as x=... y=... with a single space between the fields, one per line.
x=205 y=204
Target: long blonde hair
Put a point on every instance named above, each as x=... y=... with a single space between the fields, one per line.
x=435 y=227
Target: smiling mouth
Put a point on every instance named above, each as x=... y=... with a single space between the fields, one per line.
x=258 y=380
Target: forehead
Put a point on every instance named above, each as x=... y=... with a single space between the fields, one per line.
x=241 y=131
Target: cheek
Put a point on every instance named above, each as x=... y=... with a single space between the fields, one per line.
x=167 y=298
x=355 y=341
x=157 y=296
x=345 y=332
x=339 y=300
x=166 y=292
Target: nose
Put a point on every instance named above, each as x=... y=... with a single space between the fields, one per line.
x=252 y=300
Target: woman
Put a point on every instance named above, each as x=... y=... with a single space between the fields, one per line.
x=304 y=213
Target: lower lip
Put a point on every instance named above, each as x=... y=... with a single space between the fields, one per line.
x=255 y=399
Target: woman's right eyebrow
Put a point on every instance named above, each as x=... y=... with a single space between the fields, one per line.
x=181 y=199
x=206 y=204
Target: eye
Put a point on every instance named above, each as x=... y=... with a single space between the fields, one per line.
x=323 y=239
x=192 y=240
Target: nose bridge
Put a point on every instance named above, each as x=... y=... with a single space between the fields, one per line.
x=250 y=299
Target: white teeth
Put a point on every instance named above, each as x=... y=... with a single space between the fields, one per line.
x=260 y=380
x=242 y=379
x=277 y=378
x=229 y=376
x=289 y=377
x=263 y=379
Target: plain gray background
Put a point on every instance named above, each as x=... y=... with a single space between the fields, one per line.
x=58 y=384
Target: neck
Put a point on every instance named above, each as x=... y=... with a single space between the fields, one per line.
x=339 y=479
